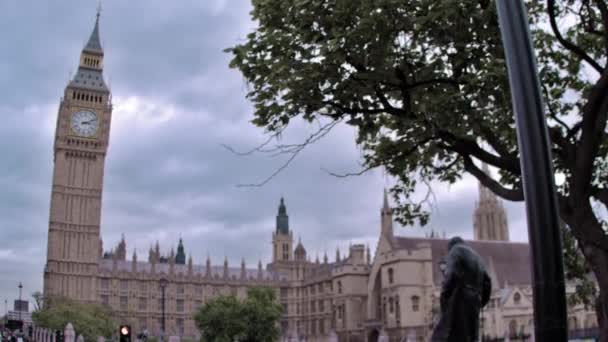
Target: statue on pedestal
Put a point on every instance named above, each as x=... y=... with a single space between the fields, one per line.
x=465 y=290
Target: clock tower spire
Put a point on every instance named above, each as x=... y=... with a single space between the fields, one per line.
x=81 y=142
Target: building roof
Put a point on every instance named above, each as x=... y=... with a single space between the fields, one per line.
x=89 y=79
x=233 y=272
x=94 y=43
x=511 y=260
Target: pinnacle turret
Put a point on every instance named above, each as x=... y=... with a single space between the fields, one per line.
x=386 y=215
x=490 y=217
x=282 y=219
x=180 y=257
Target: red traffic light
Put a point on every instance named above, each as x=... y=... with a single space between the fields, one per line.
x=124 y=330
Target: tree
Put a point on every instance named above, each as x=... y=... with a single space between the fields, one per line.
x=227 y=319
x=424 y=82
x=90 y=320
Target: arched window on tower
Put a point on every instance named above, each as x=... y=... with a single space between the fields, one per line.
x=339 y=286
x=391 y=275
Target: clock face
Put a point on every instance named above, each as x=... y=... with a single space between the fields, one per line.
x=85 y=123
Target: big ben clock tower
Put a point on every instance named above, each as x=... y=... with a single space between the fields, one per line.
x=81 y=142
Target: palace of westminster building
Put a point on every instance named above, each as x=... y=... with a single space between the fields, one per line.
x=357 y=296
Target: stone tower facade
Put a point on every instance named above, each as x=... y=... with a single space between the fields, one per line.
x=489 y=218
x=282 y=238
x=81 y=142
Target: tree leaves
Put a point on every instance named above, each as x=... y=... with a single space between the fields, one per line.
x=227 y=319
x=90 y=320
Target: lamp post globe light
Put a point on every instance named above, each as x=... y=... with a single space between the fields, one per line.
x=163 y=285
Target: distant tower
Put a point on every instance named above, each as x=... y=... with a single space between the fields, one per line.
x=300 y=252
x=121 y=250
x=490 y=217
x=386 y=215
x=282 y=238
x=180 y=257
x=81 y=142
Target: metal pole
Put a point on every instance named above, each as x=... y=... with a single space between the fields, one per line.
x=550 y=310
x=20 y=287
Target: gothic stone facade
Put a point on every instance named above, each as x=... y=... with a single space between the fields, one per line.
x=357 y=296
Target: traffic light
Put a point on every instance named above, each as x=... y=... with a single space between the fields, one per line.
x=125 y=333
x=59 y=336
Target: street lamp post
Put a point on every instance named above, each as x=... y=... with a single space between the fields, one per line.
x=163 y=285
x=20 y=305
x=550 y=312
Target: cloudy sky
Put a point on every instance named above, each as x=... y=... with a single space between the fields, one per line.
x=167 y=175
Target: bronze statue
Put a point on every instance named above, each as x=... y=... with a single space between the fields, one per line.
x=465 y=290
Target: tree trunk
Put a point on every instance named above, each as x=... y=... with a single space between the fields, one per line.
x=600 y=269
x=597 y=259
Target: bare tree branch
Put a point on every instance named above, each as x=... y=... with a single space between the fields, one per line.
x=349 y=174
x=515 y=194
x=292 y=150
x=567 y=44
x=552 y=112
x=257 y=148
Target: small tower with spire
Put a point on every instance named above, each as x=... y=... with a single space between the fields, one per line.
x=226 y=274
x=260 y=270
x=243 y=270
x=337 y=254
x=134 y=262
x=300 y=252
x=171 y=262
x=157 y=251
x=282 y=237
x=490 y=217
x=151 y=255
x=208 y=267
x=121 y=249
x=386 y=215
x=180 y=257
